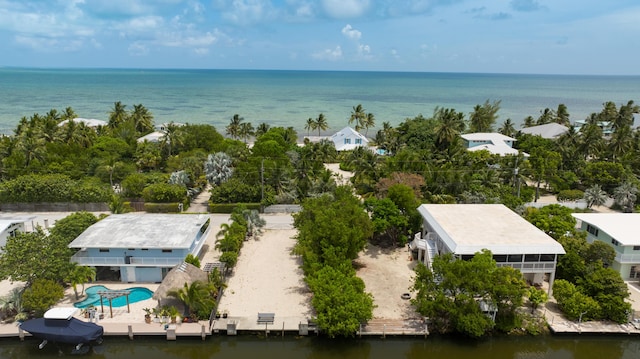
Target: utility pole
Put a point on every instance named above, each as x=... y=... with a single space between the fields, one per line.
x=262 y=182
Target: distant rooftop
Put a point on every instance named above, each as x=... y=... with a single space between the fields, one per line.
x=142 y=230
x=487 y=136
x=623 y=227
x=549 y=130
x=469 y=228
x=90 y=122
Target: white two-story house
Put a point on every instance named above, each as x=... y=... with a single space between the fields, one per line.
x=466 y=229
x=621 y=231
x=140 y=247
x=348 y=139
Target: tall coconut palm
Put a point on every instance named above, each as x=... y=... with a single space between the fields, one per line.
x=262 y=129
x=357 y=116
x=321 y=123
x=172 y=138
x=562 y=115
x=507 y=128
x=68 y=114
x=595 y=196
x=484 y=116
x=233 y=129
x=369 y=122
x=450 y=125
x=142 y=118
x=246 y=131
x=118 y=115
x=310 y=125
x=218 y=168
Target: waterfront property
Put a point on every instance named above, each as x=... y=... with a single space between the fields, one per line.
x=495 y=143
x=10 y=226
x=348 y=139
x=620 y=231
x=549 y=131
x=139 y=247
x=465 y=229
x=89 y=122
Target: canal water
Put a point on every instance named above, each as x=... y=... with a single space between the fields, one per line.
x=552 y=347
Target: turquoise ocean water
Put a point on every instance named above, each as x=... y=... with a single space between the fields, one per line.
x=288 y=98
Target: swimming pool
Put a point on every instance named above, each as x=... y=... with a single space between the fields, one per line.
x=137 y=294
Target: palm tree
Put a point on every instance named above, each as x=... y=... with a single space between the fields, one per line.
x=357 y=115
x=262 y=129
x=217 y=168
x=142 y=118
x=625 y=196
x=195 y=296
x=255 y=223
x=321 y=123
x=507 y=128
x=484 y=116
x=233 y=129
x=172 y=137
x=310 y=125
x=80 y=275
x=369 y=122
x=562 y=115
x=246 y=131
x=68 y=114
x=451 y=124
x=595 y=196
x=528 y=122
x=546 y=116
x=118 y=115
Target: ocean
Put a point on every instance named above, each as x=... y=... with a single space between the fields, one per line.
x=289 y=98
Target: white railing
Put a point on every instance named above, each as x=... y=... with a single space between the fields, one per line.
x=628 y=258
x=119 y=261
x=529 y=266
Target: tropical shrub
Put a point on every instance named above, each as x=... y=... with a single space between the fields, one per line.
x=42 y=295
x=570 y=195
x=52 y=188
x=164 y=193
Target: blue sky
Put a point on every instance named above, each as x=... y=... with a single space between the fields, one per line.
x=493 y=36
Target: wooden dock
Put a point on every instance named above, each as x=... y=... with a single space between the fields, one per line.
x=394 y=327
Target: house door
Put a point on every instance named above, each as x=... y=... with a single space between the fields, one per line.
x=634 y=272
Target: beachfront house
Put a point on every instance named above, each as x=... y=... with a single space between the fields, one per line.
x=605 y=126
x=89 y=122
x=495 y=143
x=155 y=136
x=549 y=131
x=348 y=139
x=140 y=247
x=620 y=231
x=10 y=226
x=465 y=229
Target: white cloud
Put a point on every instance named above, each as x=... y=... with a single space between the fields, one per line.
x=328 y=54
x=246 y=12
x=180 y=40
x=138 y=49
x=351 y=33
x=364 y=49
x=343 y=9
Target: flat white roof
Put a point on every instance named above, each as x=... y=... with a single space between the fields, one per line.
x=548 y=130
x=142 y=230
x=469 y=228
x=487 y=136
x=623 y=227
x=5 y=222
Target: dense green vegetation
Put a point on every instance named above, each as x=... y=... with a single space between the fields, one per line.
x=332 y=230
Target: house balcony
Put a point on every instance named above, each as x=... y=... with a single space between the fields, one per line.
x=627 y=258
x=530 y=267
x=82 y=258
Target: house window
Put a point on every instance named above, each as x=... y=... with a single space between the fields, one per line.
x=615 y=243
x=167 y=251
x=592 y=230
x=636 y=248
x=104 y=250
x=531 y=257
x=145 y=249
x=634 y=272
x=547 y=257
x=358 y=141
x=347 y=141
x=131 y=249
x=514 y=258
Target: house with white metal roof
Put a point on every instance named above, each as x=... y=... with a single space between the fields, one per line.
x=10 y=226
x=466 y=229
x=621 y=232
x=348 y=139
x=495 y=143
x=141 y=247
x=549 y=131
x=89 y=122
